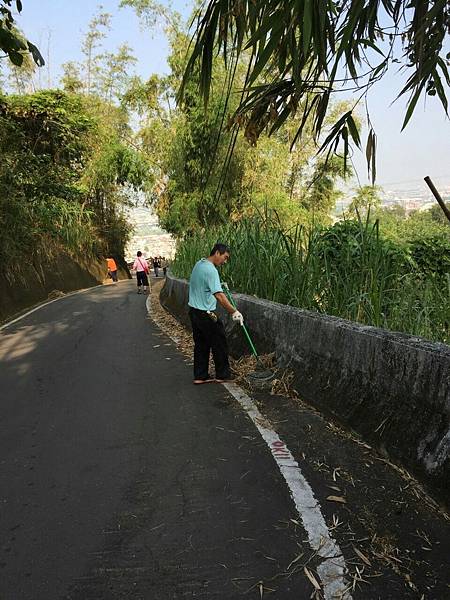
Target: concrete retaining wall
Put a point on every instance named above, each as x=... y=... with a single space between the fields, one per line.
x=392 y=388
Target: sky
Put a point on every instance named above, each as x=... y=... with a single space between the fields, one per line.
x=404 y=158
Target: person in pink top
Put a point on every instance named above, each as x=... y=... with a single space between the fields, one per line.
x=141 y=267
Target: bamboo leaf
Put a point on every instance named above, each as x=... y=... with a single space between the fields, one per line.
x=263 y=58
x=345 y=138
x=307 y=25
x=440 y=90
x=281 y=119
x=412 y=104
x=334 y=131
x=311 y=578
x=369 y=146
x=354 y=131
x=371 y=44
x=374 y=155
x=362 y=556
x=444 y=69
x=339 y=499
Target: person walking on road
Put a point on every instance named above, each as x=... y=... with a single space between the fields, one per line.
x=205 y=290
x=141 y=267
x=156 y=266
x=112 y=269
x=164 y=265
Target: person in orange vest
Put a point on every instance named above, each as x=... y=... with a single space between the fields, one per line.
x=112 y=269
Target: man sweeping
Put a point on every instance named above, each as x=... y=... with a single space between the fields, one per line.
x=208 y=331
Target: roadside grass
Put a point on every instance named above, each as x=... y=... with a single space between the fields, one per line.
x=348 y=270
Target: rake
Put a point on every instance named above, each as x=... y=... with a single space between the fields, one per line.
x=261 y=374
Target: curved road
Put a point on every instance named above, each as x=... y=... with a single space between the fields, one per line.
x=120 y=479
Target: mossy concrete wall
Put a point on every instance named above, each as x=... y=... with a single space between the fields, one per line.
x=33 y=282
x=392 y=388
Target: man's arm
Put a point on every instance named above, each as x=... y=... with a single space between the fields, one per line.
x=223 y=300
x=235 y=314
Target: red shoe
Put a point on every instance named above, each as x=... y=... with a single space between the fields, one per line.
x=200 y=381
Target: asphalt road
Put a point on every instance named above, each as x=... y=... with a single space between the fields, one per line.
x=119 y=479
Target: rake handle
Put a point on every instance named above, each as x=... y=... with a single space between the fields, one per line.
x=247 y=335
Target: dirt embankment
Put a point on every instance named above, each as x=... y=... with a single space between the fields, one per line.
x=38 y=281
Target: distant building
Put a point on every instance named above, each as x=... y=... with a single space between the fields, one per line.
x=148 y=236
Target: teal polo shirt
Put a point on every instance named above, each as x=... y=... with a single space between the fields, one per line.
x=203 y=284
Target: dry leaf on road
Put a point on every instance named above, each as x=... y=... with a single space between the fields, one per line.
x=337 y=499
x=311 y=577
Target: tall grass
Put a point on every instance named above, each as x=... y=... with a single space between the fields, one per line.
x=347 y=270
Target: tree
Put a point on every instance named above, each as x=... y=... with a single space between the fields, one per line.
x=21 y=76
x=206 y=173
x=141 y=96
x=106 y=74
x=71 y=79
x=98 y=26
x=437 y=214
x=151 y=13
x=308 y=50
x=367 y=198
x=321 y=193
x=113 y=75
x=12 y=41
x=65 y=166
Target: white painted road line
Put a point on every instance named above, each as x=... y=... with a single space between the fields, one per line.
x=332 y=569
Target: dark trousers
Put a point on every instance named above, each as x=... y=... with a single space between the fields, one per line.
x=209 y=336
x=141 y=278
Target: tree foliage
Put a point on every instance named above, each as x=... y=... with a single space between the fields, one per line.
x=12 y=41
x=64 y=165
x=206 y=172
x=366 y=198
x=105 y=74
x=300 y=53
x=152 y=13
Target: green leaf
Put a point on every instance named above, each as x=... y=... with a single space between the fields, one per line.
x=334 y=133
x=369 y=149
x=307 y=25
x=440 y=90
x=263 y=58
x=374 y=154
x=345 y=138
x=444 y=69
x=353 y=131
x=16 y=58
x=412 y=104
x=369 y=43
x=37 y=56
